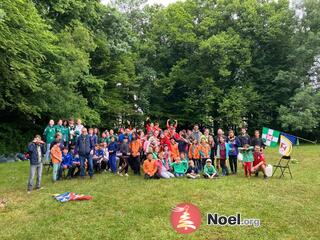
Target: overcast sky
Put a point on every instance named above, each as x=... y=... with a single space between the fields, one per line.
x=163 y=2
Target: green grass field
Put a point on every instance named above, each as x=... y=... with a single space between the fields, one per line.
x=133 y=208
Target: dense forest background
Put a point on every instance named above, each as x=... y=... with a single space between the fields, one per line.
x=220 y=63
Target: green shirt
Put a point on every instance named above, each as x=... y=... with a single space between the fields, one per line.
x=209 y=170
x=247 y=154
x=58 y=128
x=65 y=133
x=49 y=134
x=180 y=167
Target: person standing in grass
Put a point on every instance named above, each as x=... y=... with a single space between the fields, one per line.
x=135 y=149
x=84 y=150
x=244 y=138
x=234 y=143
x=113 y=148
x=179 y=167
x=150 y=167
x=124 y=158
x=223 y=155
x=65 y=131
x=194 y=153
x=209 y=170
x=257 y=140
x=36 y=150
x=72 y=132
x=247 y=159
x=59 y=126
x=192 y=171
x=56 y=158
x=204 y=150
x=78 y=129
x=49 y=134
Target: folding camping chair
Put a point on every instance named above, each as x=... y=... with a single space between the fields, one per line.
x=283 y=166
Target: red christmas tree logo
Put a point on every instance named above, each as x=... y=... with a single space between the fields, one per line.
x=185 y=218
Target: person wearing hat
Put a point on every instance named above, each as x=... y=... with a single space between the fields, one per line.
x=209 y=170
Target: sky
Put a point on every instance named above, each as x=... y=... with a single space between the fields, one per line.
x=163 y=2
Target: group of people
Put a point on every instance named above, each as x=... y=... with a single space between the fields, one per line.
x=73 y=150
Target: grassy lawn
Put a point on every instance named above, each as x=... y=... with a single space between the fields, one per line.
x=132 y=208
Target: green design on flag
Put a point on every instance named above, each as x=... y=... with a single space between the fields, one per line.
x=270 y=137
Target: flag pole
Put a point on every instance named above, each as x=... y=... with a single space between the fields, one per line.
x=313 y=142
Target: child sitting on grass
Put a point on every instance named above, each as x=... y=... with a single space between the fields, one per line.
x=247 y=159
x=192 y=171
x=162 y=171
x=179 y=167
x=150 y=168
x=209 y=170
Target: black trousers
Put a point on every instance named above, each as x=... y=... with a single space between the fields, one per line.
x=134 y=163
x=97 y=165
x=224 y=167
x=155 y=176
x=233 y=163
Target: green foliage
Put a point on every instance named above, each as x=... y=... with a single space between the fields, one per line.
x=303 y=113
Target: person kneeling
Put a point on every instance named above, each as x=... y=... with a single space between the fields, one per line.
x=259 y=162
x=150 y=168
x=66 y=163
x=209 y=170
x=192 y=171
x=97 y=158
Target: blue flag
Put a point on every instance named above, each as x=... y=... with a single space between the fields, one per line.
x=293 y=139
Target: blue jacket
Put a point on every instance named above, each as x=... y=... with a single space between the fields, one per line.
x=233 y=146
x=67 y=160
x=113 y=147
x=99 y=153
x=75 y=160
x=84 y=145
x=32 y=149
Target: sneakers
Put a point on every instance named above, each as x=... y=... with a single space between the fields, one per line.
x=127 y=175
x=28 y=192
x=120 y=174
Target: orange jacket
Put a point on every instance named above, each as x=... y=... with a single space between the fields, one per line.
x=194 y=152
x=204 y=150
x=135 y=147
x=149 y=167
x=56 y=154
x=175 y=151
